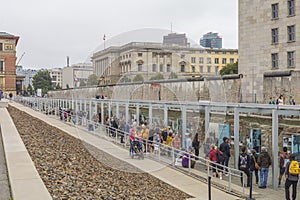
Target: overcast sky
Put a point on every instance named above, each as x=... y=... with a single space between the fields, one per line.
x=51 y=30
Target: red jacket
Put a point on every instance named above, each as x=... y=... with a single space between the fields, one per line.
x=213 y=155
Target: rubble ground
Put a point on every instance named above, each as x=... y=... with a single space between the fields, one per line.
x=72 y=169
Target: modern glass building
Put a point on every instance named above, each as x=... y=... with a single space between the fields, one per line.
x=211 y=40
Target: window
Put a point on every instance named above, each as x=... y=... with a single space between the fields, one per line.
x=154 y=68
x=201 y=69
x=216 y=60
x=274 y=60
x=208 y=60
x=291 y=33
x=224 y=60
x=208 y=69
x=193 y=69
x=161 y=68
x=54 y=78
x=275 y=35
x=291 y=59
x=168 y=68
x=140 y=67
x=291 y=7
x=231 y=60
x=217 y=69
x=182 y=68
x=140 y=54
x=1 y=47
x=275 y=11
x=1 y=66
x=201 y=60
x=193 y=60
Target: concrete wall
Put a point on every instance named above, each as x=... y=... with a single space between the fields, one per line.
x=215 y=90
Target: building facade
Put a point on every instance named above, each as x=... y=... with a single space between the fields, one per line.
x=147 y=60
x=175 y=38
x=56 y=77
x=75 y=74
x=8 y=44
x=211 y=40
x=269 y=35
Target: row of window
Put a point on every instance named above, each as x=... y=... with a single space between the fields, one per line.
x=290 y=59
x=201 y=69
x=290 y=9
x=182 y=68
x=209 y=60
x=290 y=34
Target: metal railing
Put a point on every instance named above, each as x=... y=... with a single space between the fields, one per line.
x=164 y=154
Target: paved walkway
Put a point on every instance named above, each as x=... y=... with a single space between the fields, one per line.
x=185 y=183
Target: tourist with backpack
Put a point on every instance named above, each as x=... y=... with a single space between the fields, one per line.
x=292 y=177
x=244 y=165
x=264 y=162
x=284 y=159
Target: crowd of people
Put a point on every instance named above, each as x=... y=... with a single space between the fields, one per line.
x=165 y=140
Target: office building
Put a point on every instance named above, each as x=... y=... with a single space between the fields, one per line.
x=211 y=40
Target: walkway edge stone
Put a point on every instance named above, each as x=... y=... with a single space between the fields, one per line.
x=25 y=182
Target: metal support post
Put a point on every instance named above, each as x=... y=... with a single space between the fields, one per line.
x=165 y=116
x=137 y=114
x=150 y=116
x=102 y=113
x=90 y=110
x=183 y=115
x=109 y=109
x=117 y=110
x=236 y=137
x=275 y=149
x=127 y=113
x=207 y=115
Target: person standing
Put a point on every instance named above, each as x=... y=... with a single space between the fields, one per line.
x=292 y=177
x=253 y=160
x=244 y=165
x=264 y=161
x=196 y=145
x=225 y=151
x=284 y=159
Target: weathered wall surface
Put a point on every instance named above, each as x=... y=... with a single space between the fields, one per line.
x=214 y=90
x=285 y=85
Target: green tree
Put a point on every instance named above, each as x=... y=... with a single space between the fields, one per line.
x=29 y=90
x=125 y=79
x=231 y=68
x=173 y=75
x=138 y=78
x=92 y=80
x=42 y=80
x=82 y=83
x=157 y=76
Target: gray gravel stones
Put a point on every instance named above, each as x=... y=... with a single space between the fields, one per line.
x=72 y=169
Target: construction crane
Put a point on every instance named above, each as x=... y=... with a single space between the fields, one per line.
x=20 y=59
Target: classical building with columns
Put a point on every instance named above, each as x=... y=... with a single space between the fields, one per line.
x=124 y=63
x=8 y=58
x=269 y=49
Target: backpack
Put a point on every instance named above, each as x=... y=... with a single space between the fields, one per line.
x=284 y=158
x=220 y=157
x=294 y=167
x=243 y=161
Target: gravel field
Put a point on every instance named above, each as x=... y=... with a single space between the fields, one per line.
x=71 y=169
